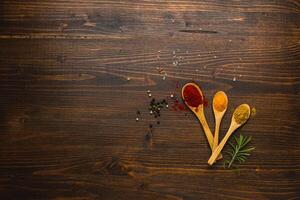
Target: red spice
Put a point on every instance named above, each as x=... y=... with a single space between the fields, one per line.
x=192 y=96
x=177 y=85
x=180 y=106
x=176 y=105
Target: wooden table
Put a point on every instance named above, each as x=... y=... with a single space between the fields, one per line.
x=74 y=73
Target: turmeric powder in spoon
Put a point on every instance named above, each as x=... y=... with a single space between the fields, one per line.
x=220 y=101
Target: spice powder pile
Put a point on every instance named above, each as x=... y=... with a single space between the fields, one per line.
x=241 y=114
x=220 y=101
x=192 y=96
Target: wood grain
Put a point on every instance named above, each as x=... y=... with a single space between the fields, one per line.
x=67 y=123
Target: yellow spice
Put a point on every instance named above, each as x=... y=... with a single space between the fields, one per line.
x=241 y=114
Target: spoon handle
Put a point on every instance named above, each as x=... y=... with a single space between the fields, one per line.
x=219 y=148
x=216 y=135
x=206 y=128
x=210 y=138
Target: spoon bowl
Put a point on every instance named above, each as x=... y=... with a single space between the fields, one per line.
x=194 y=108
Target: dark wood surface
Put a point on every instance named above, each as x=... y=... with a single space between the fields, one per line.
x=67 y=110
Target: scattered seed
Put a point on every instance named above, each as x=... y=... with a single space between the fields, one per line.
x=152 y=101
x=128 y=78
x=160 y=70
x=253 y=112
x=148 y=137
x=149 y=95
x=137 y=119
x=234 y=79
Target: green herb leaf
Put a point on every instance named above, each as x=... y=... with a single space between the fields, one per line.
x=239 y=151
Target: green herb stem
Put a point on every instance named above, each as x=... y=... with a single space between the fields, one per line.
x=239 y=150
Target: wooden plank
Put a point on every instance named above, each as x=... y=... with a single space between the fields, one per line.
x=67 y=123
x=127 y=18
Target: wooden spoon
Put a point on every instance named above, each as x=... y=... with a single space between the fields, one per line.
x=219 y=113
x=199 y=112
x=233 y=126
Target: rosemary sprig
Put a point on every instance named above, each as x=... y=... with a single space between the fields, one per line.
x=239 y=151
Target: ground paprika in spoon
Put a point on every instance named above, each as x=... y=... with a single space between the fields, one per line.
x=192 y=96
